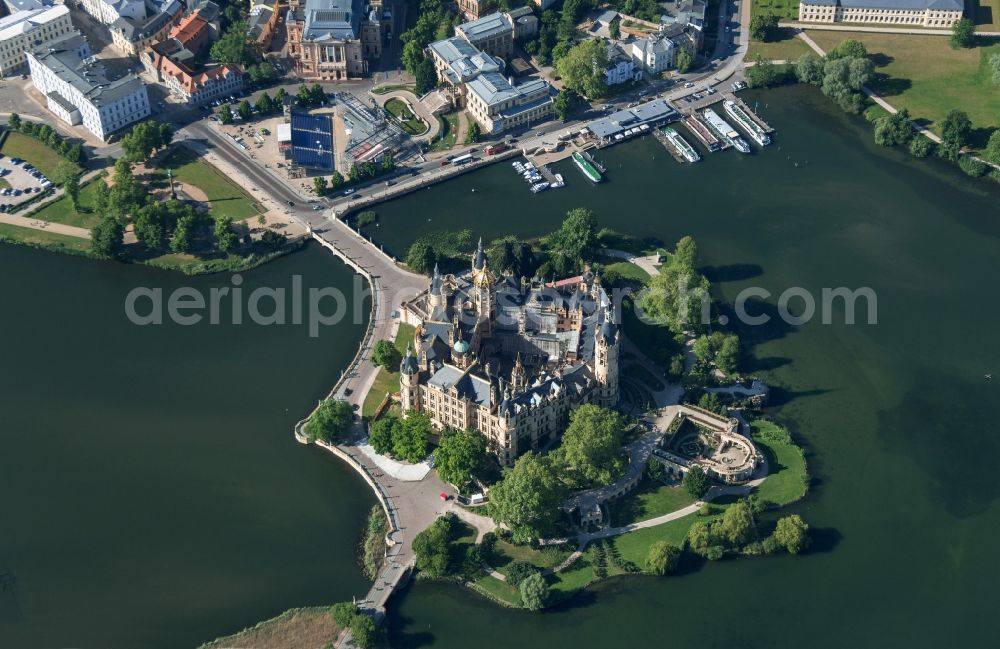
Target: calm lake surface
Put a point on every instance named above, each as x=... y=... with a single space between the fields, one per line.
x=898 y=418
x=151 y=492
x=152 y=496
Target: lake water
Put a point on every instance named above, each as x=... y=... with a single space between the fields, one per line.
x=152 y=495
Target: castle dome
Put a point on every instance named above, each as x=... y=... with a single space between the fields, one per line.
x=461 y=346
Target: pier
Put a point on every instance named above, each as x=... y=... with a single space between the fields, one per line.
x=751 y=114
x=702 y=132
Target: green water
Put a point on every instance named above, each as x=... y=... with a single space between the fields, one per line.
x=151 y=492
x=898 y=419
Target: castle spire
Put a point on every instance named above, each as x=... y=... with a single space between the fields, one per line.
x=479 y=259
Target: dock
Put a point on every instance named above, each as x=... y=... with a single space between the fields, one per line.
x=671 y=144
x=752 y=115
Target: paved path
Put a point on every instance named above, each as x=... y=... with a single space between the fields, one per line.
x=413 y=102
x=919 y=31
x=462 y=132
x=47 y=226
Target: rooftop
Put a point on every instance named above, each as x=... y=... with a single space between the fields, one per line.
x=331 y=19
x=22 y=22
x=89 y=76
x=908 y=5
x=486 y=27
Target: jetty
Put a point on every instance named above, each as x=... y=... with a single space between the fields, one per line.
x=726 y=132
x=702 y=132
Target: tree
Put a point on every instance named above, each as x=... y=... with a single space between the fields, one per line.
x=696 y=482
x=319 y=185
x=511 y=255
x=563 y=103
x=851 y=48
x=963 y=34
x=262 y=73
x=342 y=613
x=528 y=498
x=107 y=238
x=728 y=354
x=144 y=138
x=955 y=129
x=737 y=526
x=385 y=354
x=576 y=238
x=14 y=122
x=355 y=173
x=381 y=433
x=183 y=240
x=225 y=236
x=421 y=257
x=64 y=172
x=225 y=114
x=431 y=548
x=992 y=151
x=330 y=421
x=233 y=47
x=72 y=189
x=809 y=69
x=921 y=146
x=765 y=74
x=662 y=558
x=710 y=401
x=460 y=454
x=534 y=592
x=411 y=437
x=678 y=296
x=264 y=104
x=702 y=349
x=582 y=68
x=683 y=60
x=792 y=533
x=474 y=133
x=279 y=97
x=614 y=30
x=893 y=129
x=763 y=26
x=363 y=631
x=273 y=240
x=591 y=447
x=336 y=180
x=244 y=110
x=426 y=77
x=654 y=470
x=151 y=227
x=700 y=537
x=101 y=198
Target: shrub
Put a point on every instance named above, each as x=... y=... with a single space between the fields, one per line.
x=921 y=146
x=973 y=167
x=534 y=592
x=662 y=558
x=518 y=571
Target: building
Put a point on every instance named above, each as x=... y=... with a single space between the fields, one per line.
x=262 y=21
x=621 y=66
x=79 y=91
x=458 y=62
x=525 y=23
x=509 y=358
x=135 y=24
x=544 y=4
x=941 y=14
x=13 y=6
x=654 y=54
x=497 y=104
x=332 y=40
x=26 y=30
x=493 y=34
x=474 y=9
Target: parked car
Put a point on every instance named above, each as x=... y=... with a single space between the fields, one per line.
x=348 y=192
x=689 y=85
x=290 y=204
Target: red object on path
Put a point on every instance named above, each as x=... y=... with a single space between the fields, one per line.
x=444 y=496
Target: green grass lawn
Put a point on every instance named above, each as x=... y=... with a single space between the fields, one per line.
x=408 y=120
x=783 y=9
x=382 y=90
x=449 y=131
x=788 y=478
x=927 y=77
x=786 y=47
x=387 y=382
x=501 y=590
x=627 y=270
x=43 y=239
x=62 y=211
x=634 y=546
x=650 y=500
x=19 y=145
x=506 y=553
x=225 y=198
x=4 y=184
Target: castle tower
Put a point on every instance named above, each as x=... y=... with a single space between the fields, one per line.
x=409 y=384
x=606 y=346
x=482 y=292
x=518 y=376
x=436 y=292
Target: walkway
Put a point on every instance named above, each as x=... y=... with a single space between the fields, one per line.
x=417 y=107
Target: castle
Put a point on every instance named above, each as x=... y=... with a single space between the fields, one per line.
x=509 y=357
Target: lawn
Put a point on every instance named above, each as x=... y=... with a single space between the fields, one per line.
x=500 y=590
x=788 y=478
x=627 y=270
x=987 y=13
x=787 y=47
x=783 y=9
x=225 y=198
x=506 y=553
x=43 y=239
x=408 y=120
x=449 y=131
x=387 y=381
x=19 y=145
x=927 y=77
x=650 y=500
x=382 y=90
x=62 y=211
x=634 y=546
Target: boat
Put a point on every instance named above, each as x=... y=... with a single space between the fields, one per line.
x=725 y=131
x=682 y=146
x=539 y=187
x=746 y=122
x=558 y=183
x=588 y=169
x=702 y=132
x=644 y=127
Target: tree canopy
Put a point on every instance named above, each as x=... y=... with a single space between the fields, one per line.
x=956 y=129
x=792 y=533
x=583 y=67
x=460 y=454
x=893 y=129
x=696 y=482
x=411 y=437
x=534 y=592
x=144 y=138
x=431 y=548
x=575 y=242
x=678 y=296
x=763 y=26
x=591 y=449
x=385 y=354
x=234 y=48
x=963 y=33
x=330 y=422
x=662 y=558
x=528 y=497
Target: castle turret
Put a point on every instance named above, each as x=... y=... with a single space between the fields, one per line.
x=518 y=376
x=436 y=295
x=409 y=384
x=606 y=345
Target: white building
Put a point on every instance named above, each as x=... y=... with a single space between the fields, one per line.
x=497 y=104
x=79 y=91
x=654 y=54
x=621 y=67
x=941 y=14
x=25 y=30
x=108 y=11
